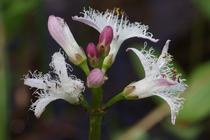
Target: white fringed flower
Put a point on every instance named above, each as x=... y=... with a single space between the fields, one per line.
x=54 y=85
x=60 y=31
x=160 y=80
x=122 y=28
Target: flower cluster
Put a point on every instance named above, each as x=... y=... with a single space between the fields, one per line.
x=160 y=76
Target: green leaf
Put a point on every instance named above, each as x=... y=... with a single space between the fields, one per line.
x=185 y=133
x=3 y=94
x=197 y=106
x=14 y=12
x=203 y=6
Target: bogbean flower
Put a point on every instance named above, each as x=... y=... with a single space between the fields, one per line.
x=123 y=29
x=160 y=80
x=57 y=84
x=61 y=33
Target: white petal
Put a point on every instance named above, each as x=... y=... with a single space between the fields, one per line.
x=164 y=58
x=174 y=102
x=71 y=90
x=170 y=91
x=35 y=83
x=70 y=94
x=142 y=88
x=39 y=81
x=166 y=89
x=122 y=28
x=165 y=48
x=59 y=65
x=87 y=22
x=148 y=62
x=114 y=47
x=147 y=86
x=39 y=106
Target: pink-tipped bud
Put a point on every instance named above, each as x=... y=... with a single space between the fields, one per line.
x=106 y=36
x=91 y=50
x=96 y=78
x=105 y=39
x=92 y=54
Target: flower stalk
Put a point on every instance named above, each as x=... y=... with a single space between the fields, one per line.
x=96 y=114
x=160 y=78
x=84 y=67
x=113 y=100
x=95 y=127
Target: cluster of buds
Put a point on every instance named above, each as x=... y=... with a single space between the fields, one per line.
x=96 y=55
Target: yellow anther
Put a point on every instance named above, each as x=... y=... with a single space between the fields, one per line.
x=118 y=11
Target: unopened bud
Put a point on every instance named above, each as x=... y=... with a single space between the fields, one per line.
x=92 y=54
x=105 y=39
x=61 y=33
x=106 y=36
x=108 y=60
x=96 y=78
x=91 y=50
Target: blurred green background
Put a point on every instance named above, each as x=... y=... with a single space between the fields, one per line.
x=26 y=45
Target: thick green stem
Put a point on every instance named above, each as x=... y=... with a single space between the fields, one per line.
x=97 y=96
x=95 y=127
x=96 y=114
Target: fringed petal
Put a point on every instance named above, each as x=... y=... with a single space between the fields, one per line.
x=121 y=26
x=59 y=65
x=148 y=61
x=174 y=101
x=58 y=86
x=39 y=106
x=35 y=83
x=39 y=81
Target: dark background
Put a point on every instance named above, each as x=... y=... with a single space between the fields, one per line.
x=26 y=45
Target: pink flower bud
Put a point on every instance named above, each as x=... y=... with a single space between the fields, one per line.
x=91 y=51
x=92 y=54
x=95 y=79
x=106 y=36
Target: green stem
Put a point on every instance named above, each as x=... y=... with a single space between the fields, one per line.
x=97 y=96
x=95 y=127
x=3 y=85
x=96 y=114
x=84 y=67
x=114 y=100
